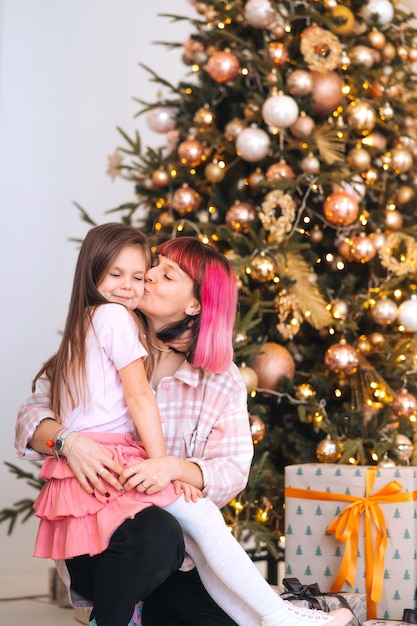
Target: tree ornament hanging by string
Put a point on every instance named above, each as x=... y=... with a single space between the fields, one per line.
x=404 y=404
x=329 y=450
x=407 y=314
x=257 y=428
x=185 y=199
x=342 y=358
x=263 y=267
x=385 y=311
x=223 y=67
x=272 y=365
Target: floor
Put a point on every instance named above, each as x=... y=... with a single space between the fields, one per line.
x=35 y=612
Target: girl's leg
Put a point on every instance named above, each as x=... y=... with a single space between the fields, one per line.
x=231 y=577
x=142 y=553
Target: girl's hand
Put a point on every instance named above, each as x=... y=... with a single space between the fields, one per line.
x=190 y=492
x=149 y=475
x=92 y=464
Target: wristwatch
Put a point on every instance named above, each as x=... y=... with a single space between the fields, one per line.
x=60 y=440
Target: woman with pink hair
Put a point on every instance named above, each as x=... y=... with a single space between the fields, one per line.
x=202 y=402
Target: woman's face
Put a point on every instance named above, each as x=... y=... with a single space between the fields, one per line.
x=169 y=293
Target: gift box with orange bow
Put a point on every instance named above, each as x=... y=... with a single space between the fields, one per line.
x=354 y=529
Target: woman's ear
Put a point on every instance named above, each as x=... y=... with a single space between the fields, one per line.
x=194 y=308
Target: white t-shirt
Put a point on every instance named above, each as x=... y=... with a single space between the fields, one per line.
x=112 y=343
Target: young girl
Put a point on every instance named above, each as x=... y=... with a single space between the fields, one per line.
x=98 y=386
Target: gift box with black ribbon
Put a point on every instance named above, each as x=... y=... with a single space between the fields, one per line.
x=310 y=596
x=354 y=529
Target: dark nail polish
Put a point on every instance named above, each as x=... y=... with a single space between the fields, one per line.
x=107 y=494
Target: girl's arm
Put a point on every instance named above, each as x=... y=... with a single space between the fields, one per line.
x=143 y=408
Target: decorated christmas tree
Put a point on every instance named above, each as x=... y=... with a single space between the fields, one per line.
x=291 y=147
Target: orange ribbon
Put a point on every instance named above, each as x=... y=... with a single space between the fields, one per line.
x=346 y=525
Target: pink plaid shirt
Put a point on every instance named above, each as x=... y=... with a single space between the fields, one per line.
x=204 y=419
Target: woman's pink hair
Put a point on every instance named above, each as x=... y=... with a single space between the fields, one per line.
x=216 y=290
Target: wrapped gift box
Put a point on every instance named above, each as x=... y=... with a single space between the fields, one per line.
x=355 y=601
x=316 y=494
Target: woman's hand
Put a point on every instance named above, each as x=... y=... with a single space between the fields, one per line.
x=190 y=492
x=149 y=475
x=92 y=464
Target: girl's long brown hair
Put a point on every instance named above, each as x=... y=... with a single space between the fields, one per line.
x=99 y=248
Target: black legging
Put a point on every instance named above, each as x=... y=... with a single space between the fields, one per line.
x=182 y=600
x=142 y=553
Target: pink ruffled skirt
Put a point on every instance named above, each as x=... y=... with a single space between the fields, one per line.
x=74 y=522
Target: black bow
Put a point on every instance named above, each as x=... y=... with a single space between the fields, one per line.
x=297 y=591
x=303 y=592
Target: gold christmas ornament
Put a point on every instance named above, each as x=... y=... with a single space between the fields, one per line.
x=257 y=428
x=290 y=316
x=250 y=377
x=363 y=345
x=339 y=309
x=384 y=312
x=204 y=116
x=223 y=67
x=359 y=159
x=302 y=126
x=262 y=267
x=300 y=83
x=361 y=116
x=377 y=340
x=233 y=128
x=310 y=164
x=328 y=450
x=341 y=358
x=214 y=173
x=377 y=39
x=344 y=20
x=272 y=365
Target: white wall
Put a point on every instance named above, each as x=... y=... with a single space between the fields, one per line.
x=68 y=75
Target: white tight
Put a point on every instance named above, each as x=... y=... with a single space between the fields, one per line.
x=227 y=572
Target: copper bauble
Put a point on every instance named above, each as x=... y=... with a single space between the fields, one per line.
x=341 y=208
x=302 y=126
x=257 y=428
x=191 y=152
x=278 y=53
x=185 y=199
x=328 y=450
x=377 y=39
x=404 y=404
x=363 y=345
x=326 y=91
x=272 y=365
x=240 y=215
x=342 y=358
x=377 y=340
x=401 y=160
x=204 y=116
x=223 y=67
x=278 y=171
x=363 y=248
x=250 y=377
x=385 y=311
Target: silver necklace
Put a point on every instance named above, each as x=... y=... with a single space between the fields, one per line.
x=160 y=349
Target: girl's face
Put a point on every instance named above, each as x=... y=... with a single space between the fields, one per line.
x=124 y=280
x=169 y=293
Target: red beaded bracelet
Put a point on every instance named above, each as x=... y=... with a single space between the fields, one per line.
x=50 y=443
